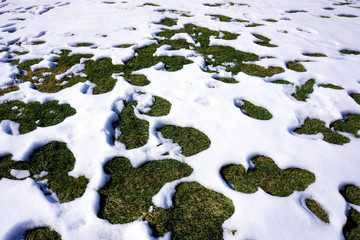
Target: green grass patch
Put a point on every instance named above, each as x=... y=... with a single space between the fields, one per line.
x=356 y=97
x=213 y=5
x=296 y=11
x=241 y=20
x=351 y=229
x=315 y=126
x=149 y=4
x=254 y=25
x=137 y=79
x=42 y=233
x=161 y=107
x=264 y=41
x=332 y=86
x=222 y=18
x=351 y=193
x=56 y=159
x=342 y=3
x=317 y=209
x=37 y=42
x=226 y=80
x=33 y=115
x=348 y=51
x=295 y=66
x=271 y=20
x=254 y=111
x=11 y=88
x=314 y=54
x=191 y=140
x=168 y=22
x=280 y=81
x=134 y=131
x=323 y=16
x=197 y=213
x=84 y=44
x=350 y=125
x=128 y=194
x=302 y=93
x=123 y=45
x=347 y=15
x=268 y=176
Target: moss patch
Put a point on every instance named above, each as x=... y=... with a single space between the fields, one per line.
x=351 y=52
x=57 y=160
x=42 y=233
x=222 y=18
x=347 y=15
x=33 y=115
x=128 y=194
x=198 y=213
x=268 y=176
x=350 y=125
x=314 y=54
x=332 y=86
x=351 y=229
x=254 y=25
x=226 y=80
x=351 y=193
x=315 y=126
x=356 y=97
x=191 y=140
x=37 y=42
x=280 y=81
x=161 y=107
x=168 y=22
x=254 y=111
x=302 y=93
x=264 y=41
x=317 y=209
x=271 y=20
x=134 y=131
x=84 y=44
x=295 y=66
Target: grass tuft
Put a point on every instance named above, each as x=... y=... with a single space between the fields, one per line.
x=296 y=11
x=264 y=41
x=222 y=18
x=295 y=66
x=42 y=233
x=161 y=107
x=11 y=88
x=351 y=193
x=351 y=229
x=253 y=111
x=302 y=93
x=226 y=80
x=191 y=140
x=314 y=54
x=84 y=44
x=268 y=176
x=348 y=51
x=356 y=97
x=37 y=42
x=332 y=86
x=350 y=125
x=347 y=15
x=168 y=22
x=317 y=209
x=280 y=81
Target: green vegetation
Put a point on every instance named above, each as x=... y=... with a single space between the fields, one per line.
x=356 y=97
x=123 y=45
x=317 y=209
x=213 y=5
x=11 y=88
x=268 y=176
x=264 y=41
x=280 y=81
x=348 y=51
x=342 y=3
x=191 y=140
x=84 y=44
x=254 y=25
x=314 y=54
x=295 y=11
x=198 y=213
x=57 y=160
x=347 y=15
x=323 y=16
x=226 y=80
x=161 y=107
x=168 y=22
x=351 y=193
x=42 y=233
x=315 y=126
x=271 y=20
x=351 y=229
x=332 y=86
x=253 y=111
x=128 y=194
x=350 y=125
x=302 y=93
x=149 y=4
x=329 y=8
x=222 y=18
x=295 y=66
x=33 y=115
x=37 y=42
x=134 y=131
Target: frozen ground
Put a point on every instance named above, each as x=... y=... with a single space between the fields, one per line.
x=198 y=101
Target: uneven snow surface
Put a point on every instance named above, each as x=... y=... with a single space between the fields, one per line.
x=198 y=101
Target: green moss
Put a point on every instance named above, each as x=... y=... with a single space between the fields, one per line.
x=229 y=35
x=42 y=233
x=268 y=176
x=332 y=86
x=296 y=11
x=241 y=20
x=191 y=140
x=302 y=93
x=270 y=20
x=356 y=97
x=350 y=125
x=254 y=25
x=198 y=213
x=351 y=229
x=253 y=111
x=168 y=22
x=137 y=79
x=348 y=51
x=264 y=41
x=347 y=15
x=11 y=88
x=33 y=115
x=6 y=164
x=315 y=126
x=280 y=81
x=314 y=54
x=128 y=194
x=37 y=42
x=351 y=194
x=134 y=131
x=56 y=159
x=226 y=80
x=84 y=44
x=317 y=209
x=295 y=66
x=161 y=107
x=222 y=18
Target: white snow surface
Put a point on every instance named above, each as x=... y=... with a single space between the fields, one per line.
x=197 y=101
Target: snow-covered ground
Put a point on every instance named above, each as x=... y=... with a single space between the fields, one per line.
x=197 y=101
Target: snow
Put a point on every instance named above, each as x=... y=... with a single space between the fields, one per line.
x=197 y=101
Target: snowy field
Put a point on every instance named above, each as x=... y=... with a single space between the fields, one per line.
x=265 y=86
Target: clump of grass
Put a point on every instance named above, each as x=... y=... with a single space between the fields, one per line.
x=347 y=15
x=161 y=107
x=295 y=66
x=57 y=160
x=37 y=42
x=254 y=25
x=342 y=3
x=128 y=194
x=213 y=5
x=229 y=35
x=315 y=126
x=317 y=209
x=348 y=51
x=264 y=41
x=295 y=11
x=11 y=88
x=84 y=44
x=149 y=4
x=134 y=131
x=268 y=176
x=351 y=229
x=329 y=8
x=137 y=79
x=198 y=213
x=280 y=81
x=323 y=16
x=332 y=86
x=271 y=20
x=254 y=111
x=356 y=97
x=351 y=193
x=42 y=233
x=123 y=45
x=168 y=22
x=222 y=18
x=302 y=93
x=33 y=115
x=191 y=140
x=350 y=125
x=314 y=54
x=226 y=80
